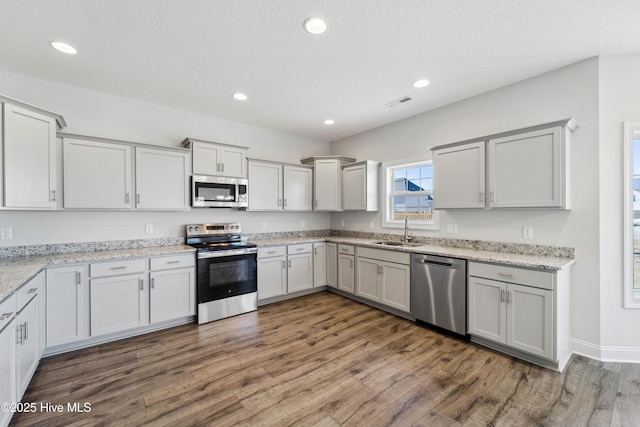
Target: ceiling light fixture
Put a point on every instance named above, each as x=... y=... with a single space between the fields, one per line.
x=64 y=48
x=315 y=26
x=239 y=96
x=329 y=122
x=421 y=83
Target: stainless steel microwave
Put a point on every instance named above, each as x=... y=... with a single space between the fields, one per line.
x=218 y=192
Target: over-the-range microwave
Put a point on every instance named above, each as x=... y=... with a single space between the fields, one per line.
x=219 y=192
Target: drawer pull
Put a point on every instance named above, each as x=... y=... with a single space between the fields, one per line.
x=502 y=295
x=5 y=316
x=122 y=267
x=510 y=276
x=300 y=249
x=271 y=252
x=32 y=290
x=141 y=282
x=153 y=283
x=173 y=262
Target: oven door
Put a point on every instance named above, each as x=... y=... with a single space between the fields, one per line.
x=226 y=276
x=213 y=191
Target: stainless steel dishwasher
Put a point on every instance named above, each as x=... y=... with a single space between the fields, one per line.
x=439 y=291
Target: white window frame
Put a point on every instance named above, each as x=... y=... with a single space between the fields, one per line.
x=387 y=205
x=631 y=295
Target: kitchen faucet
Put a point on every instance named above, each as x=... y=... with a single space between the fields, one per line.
x=406 y=238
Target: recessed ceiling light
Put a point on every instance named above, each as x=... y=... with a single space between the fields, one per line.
x=65 y=48
x=239 y=96
x=421 y=83
x=329 y=122
x=315 y=26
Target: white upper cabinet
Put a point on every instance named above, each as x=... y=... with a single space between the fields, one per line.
x=528 y=168
x=360 y=186
x=458 y=176
x=211 y=158
x=276 y=186
x=97 y=175
x=162 y=179
x=327 y=178
x=29 y=158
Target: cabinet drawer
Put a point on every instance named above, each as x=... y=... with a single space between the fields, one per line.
x=7 y=311
x=113 y=268
x=299 y=249
x=174 y=261
x=384 y=255
x=270 y=251
x=346 y=249
x=535 y=278
x=26 y=293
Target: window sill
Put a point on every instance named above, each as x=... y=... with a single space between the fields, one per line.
x=412 y=226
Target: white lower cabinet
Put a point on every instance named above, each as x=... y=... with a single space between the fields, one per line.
x=518 y=316
x=172 y=294
x=272 y=272
x=346 y=268
x=384 y=277
x=66 y=297
x=7 y=356
x=27 y=345
x=319 y=264
x=118 y=303
x=299 y=267
x=332 y=264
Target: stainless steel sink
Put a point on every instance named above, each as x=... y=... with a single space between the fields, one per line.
x=394 y=243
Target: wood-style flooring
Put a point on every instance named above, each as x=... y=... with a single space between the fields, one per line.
x=323 y=360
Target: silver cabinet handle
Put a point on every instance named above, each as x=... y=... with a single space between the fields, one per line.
x=283 y=264
x=217 y=167
x=173 y=262
x=26 y=331
x=53 y=195
x=126 y=198
x=279 y=202
x=153 y=283
x=5 y=316
x=289 y=263
x=122 y=267
x=509 y=297
x=351 y=263
x=299 y=249
x=138 y=198
x=222 y=167
x=19 y=335
x=285 y=203
x=482 y=197
x=492 y=197
x=78 y=277
x=316 y=203
x=32 y=290
x=507 y=275
x=141 y=283
x=271 y=252
x=315 y=251
x=502 y=295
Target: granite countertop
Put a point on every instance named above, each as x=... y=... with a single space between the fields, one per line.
x=539 y=262
x=16 y=271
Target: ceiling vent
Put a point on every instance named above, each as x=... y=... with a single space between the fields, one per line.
x=398 y=101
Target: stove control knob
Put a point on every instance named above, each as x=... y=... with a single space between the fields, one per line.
x=190 y=229
x=197 y=228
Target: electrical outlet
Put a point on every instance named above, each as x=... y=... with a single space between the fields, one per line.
x=264 y=225
x=342 y=223
x=527 y=232
x=148 y=228
x=6 y=233
x=452 y=228
x=371 y=225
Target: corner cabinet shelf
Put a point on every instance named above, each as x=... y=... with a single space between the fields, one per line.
x=526 y=168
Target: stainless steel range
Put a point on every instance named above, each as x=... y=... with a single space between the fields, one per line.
x=226 y=281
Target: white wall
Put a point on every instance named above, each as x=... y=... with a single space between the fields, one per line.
x=99 y=114
x=564 y=93
x=619 y=101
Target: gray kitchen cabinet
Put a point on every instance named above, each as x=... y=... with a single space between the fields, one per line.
x=162 y=179
x=217 y=159
x=384 y=276
x=346 y=268
x=29 y=158
x=332 y=264
x=7 y=356
x=327 y=178
x=279 y=187
x=520 y=310
x=272 y=272
x=97 y=175
x=360 y=186
x=27 y=351
x=459 y=176
x=172 y=288
x=299 y=267
x=67 y=305
x=319 y=264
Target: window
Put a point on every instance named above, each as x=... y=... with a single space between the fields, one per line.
x=408 y=192
x=631 y=214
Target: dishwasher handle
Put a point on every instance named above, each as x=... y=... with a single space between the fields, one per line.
x=444 y=264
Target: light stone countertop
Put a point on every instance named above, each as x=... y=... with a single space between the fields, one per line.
x=14 y=272
x=539 y=262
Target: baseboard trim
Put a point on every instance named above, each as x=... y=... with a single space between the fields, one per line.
x=606 y=353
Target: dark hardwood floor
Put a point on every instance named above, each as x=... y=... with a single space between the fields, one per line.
x=323 y=360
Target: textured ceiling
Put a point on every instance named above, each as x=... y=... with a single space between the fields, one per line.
x=193 y=54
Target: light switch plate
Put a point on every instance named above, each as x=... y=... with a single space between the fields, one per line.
x=527 y=232
x=452 y=228
x=6 y=233
x=148 y=228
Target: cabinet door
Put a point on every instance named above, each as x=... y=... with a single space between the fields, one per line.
x=233 y=162
x=300 y=272
x=319 y=264
x=206 y=159
x=7 y=363
x=487 y=312
x=332 y=265
x=66 y=305
x=162 y=179
x=173 y=294
x=27 y=351
x=346 y=273
x=97 y=175
x=265 y=190
x=118 y=303
x=29 y=159
x=327 y=185
x=526 y=170
x=272 y=277
x=396 y=286
x=297 y=186
x=530 y=320
x=354 y=188
x=368 y=285
x=459 y=176
x=42 y=313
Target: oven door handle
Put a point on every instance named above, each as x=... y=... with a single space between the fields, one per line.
x=224 y=253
